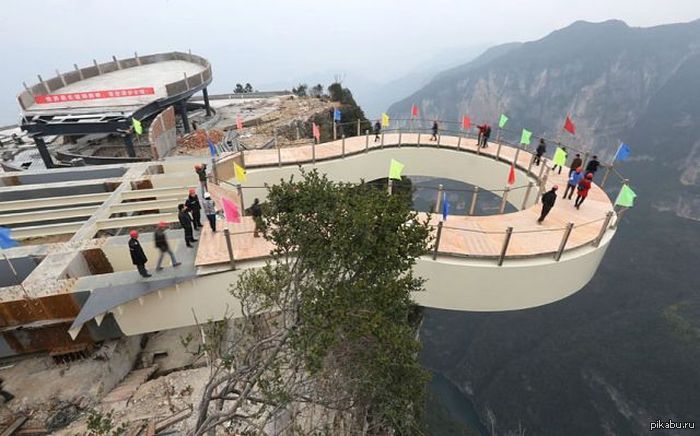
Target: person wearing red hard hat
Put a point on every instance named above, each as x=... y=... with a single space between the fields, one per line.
x=582 y=190
x=548 y=200
x=162 y=244
x=138 y=257
x=194 y=206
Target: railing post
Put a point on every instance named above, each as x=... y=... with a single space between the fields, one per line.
x=478 y=148
x=504 y=200
x=229 y=247
x=399 y=137
x=313 y=152
x=564 y=239
x=515 y=159
x=239 y=188
x=343 y=144
x=527 y=194
x=437 y=240
x=335 y=133
x=438 y=140
x=506 y=241
x=390 y=186
x=243 y=158
x=459 y=142
x=606 y=224
x=543 y=164
x=381 y=144
x=418 y=143
x=605 y=177
x=438 y=200
x=498 y=151
x=359 y=132
x=366 y=140
x=279 y=154
x=585 y=159
x=529 y=165
x=472 y=207
x=213 y=170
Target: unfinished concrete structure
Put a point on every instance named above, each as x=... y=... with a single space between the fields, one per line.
x=74 y=272
x=104 y=98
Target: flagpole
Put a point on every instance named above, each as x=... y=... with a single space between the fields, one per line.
x=615 y=155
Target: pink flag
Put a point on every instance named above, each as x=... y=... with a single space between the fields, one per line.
x=316 y=132
x=230 y=211
x=466 y=122
x=414 y=111
x=239 y=122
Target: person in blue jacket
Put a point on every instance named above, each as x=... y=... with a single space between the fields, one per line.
x=574 y=178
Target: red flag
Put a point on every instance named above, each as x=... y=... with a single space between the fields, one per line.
x=466 y=122
x=230 y=211
x=414 y=111
x=511 y=175
x=569 y=126
x=239 y=122
x=316 y=132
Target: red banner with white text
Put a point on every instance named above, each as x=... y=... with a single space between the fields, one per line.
x=93 y=95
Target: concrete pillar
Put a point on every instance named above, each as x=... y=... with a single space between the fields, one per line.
x=44 y=151
x=182 y=108
x=205 y=95
x=129 y=144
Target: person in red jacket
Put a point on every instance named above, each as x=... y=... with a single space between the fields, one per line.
x=584 y=185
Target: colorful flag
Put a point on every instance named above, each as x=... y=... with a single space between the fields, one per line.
x=511 y=174
x=138 y=128
x=230 y=211
x=445 y=206
x=316 y=132
x=212 y=147
x=240 y=172
x=626 y=197
x=385 y=120
x=466 y=122
x=395 y=169
x=414 y=111
x=623 y=152
x=525 y=137
x=239 y=122
x=336 y=115
x=6 y=240
x=502 y=121
x=559 y=157
x=569 y=126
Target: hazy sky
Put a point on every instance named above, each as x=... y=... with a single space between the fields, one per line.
x=264 y=41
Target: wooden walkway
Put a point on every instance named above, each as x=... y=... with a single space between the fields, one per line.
x=472 y=236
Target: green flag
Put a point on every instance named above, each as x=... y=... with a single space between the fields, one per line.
x=138 y=128
x=525 y=137
x=626 y=197
x=395 y=170
x=502 y=122
x=559 y=157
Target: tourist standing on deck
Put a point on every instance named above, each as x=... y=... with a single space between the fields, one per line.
x=162 y=245
x=592 y=165
x=565 y=156
x=571 y=185
x=186 y=222
x=540 y=151
x=194 y=206
x=548 y=200
x=582 y=190
x=138 y=257
x=201 y=170
x=256 y=212
x=377 y=130
x=210 y=211
x=576 y=163
x=484 y=134
x=436 y=128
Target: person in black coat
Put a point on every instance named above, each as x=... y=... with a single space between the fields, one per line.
x=436 y=128
x=256 y=212
x=540 y=151
x=194 y=206
x=186 y=222
x=162 y=244
x=592 y=165
x=138 y=257
x=548 y=200
x=377 y=131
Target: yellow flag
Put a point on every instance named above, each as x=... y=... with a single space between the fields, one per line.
x=240 y=172
x=385 y=120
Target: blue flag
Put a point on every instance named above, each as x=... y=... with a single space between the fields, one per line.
x=445 y=206
x=623 y=152
x=6 y=240
x=212 y=147
x=336 y=114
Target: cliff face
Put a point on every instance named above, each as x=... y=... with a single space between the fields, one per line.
x=623 y=351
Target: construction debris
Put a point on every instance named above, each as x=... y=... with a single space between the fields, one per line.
x=199 y=139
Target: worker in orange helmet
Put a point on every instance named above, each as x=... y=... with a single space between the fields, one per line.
x=138 y=257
